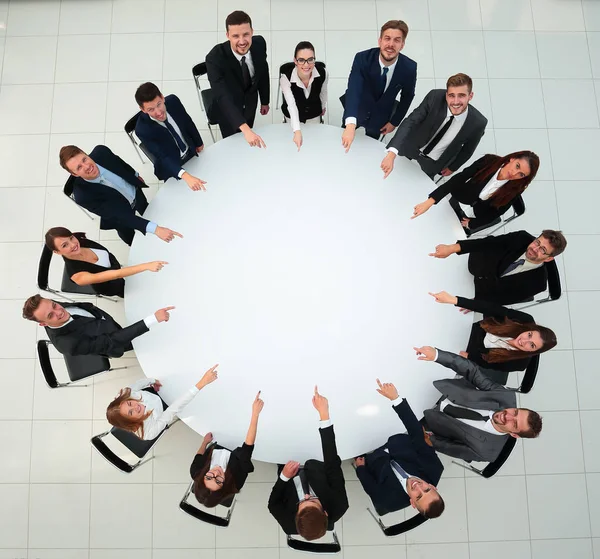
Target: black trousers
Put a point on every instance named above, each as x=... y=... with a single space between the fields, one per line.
x=141 y=203
x=249 y=114
x=429 y=166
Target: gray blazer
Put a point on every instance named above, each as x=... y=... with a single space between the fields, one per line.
x=420 y=126
x=452 y=436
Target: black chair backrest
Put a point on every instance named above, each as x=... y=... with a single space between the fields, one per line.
x=518 y=205
x=44 y=268
x=199 y=69
x=130 y=124
x=138 y=446
x=554 y=288
x=69 y=286
x=529 y=376
x=286 y=67
x=407 y=525
x=45 y=364
x=213 y=519
x=68 y=188
x=494 y=466
x=313 y=547
x=84 y=366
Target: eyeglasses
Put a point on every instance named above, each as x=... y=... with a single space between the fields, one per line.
x=218 y=479
x=303 y=61
x=539 y=245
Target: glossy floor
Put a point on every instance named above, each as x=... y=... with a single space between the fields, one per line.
x=69 y=70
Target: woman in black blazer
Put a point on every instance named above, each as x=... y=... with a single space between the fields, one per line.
x=505 y=340
x=218 y=473
x=89 y=263
x=489 y=186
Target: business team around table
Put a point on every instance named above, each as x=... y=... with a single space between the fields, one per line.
x=476 y=412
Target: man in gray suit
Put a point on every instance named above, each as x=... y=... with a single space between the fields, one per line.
x=442 y=132
x=475 y=414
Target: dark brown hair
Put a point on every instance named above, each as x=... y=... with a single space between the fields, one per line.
x=556 y=239
x=31 y=306
x=303 y=45
x=55 y=233
x=397 y=24
x=511 y=329
x=513 y=188
x=534 y=421
x=210 y=498
x=237 y=18
x=435 y=508
x=146 y=93
x=311 y=523
x=66 y=153
x=113 y=414
x=458 y=80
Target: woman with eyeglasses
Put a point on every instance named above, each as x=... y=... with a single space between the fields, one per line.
x=505 y=340
x=489 y=186
x=219 y=473
x=304 y=88
x=89 y=263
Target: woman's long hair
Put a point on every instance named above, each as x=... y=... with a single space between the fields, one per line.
x=513 y=188
x=56 y=232
x=113 y=414
x=210 y=498
x=511 y=329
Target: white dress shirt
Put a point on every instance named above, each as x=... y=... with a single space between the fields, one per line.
x=286 y=89
x=487 y=426
x=103 y=258
x=493 y=341
x=457 y=124
x=149 y=321
x=220 y=457
x=525 y=267
x=177 y=129
x=249 y=62
x=486 y=192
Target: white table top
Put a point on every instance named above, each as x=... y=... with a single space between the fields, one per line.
x=298 y=269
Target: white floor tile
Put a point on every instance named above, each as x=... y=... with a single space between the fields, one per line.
x=350 y=14
x=517 y=103
x=17 y=339
x=433 y=551
x=174 y=455
x=70 y=115
x=18 y=152
x=591 y=14
x=580 y=303
x=190 y=15
x=563 y=55
x=506 y=15
x=26 y=109
x=555 y=549
x=49 y=507
x=287 y=15
x=33 y=17
x=587 y=380
x=514 y=466
x=258 y=10
x=82 y=58
x=418 y=47
x=383 y=552
x=594 y=44
x=578 y=147
x=591 y=440
x=577 y=218
x=500 y=550
x=414 y=12
x=593 y=484
x=129 y=58
x=283 y=44
x=29 y=60
x=580 y=275
x=469 y=43
x=13 y=515
x=509 y=140
x=15 y=439
x=582 y=111
x=502 y=48
x=129 y=17
x=59 y=554
x=339 y=61
x=18 y=281
x=120 y=553
x=121 y=105
x=540 y=208
x=76 y=17
x=16 y=377
x=183 y=554
x=463 y=15
x=182 y=51
x=554 y=15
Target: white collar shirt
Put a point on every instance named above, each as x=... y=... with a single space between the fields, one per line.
x=487 y=426
x=74 y=311
x=492 y=341
x=403 y=480
x=525 y=267
x=177 y=130
x=220 y=457
x=286 y=89
x=390 y=73
x=492 y=186
x=249 y=61
x=449 y=136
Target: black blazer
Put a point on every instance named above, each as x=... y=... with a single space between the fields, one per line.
x=94 y=336
x=488 y=259
x=109 y=288
x=410 y=451
x=159 y=142
x=421 y=125
x=239 y=465
x=475 y=347
x=464 y=189
x=227 y=84
x=114 y=210
x=326 y=479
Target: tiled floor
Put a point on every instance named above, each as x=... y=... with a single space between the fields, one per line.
x=68 y=72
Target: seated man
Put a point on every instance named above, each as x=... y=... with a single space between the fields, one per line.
x=239 y=74
x=168 y=133
x=109 y=187
x=376 y=78
x=508 y=268
x=84 y=329
x=475 y=414
x=442 y=132
x=405 y=470
x=310 y=500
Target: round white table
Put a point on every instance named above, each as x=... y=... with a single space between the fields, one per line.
x=296 y=269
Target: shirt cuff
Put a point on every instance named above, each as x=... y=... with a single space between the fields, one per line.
x=436 y=354
x=397 y=401
x=150 y=321
x=393 y=150
x=350 y=120
x=325 y=423
x=151 y=227
x=283 y=478
x=180 y=174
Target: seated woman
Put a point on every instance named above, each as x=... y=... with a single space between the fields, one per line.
x=505 y=340
x=140 y=410
x=219 y=473
x=489 y=186
x=89 y=263
x=304 y=89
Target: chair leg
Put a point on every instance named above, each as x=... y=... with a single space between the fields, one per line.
x=116 y=369
x=108 y=298
x=467 y=467
x=377 y=519
x=137 y=150
x=83 y=209
x=212 y=134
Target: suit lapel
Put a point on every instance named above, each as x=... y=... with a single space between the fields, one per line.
x=234 y=63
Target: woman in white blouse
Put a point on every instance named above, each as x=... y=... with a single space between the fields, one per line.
x=489 y=186
x=89 y=263
x=142 y=412
x=304 y=88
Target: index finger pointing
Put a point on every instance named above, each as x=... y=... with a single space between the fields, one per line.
x=379 y=383
x=168 y=308
x=178 y=234
x=316 y=390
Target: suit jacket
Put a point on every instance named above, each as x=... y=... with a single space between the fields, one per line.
x=113 y=208
x=239 y=465
x=325 y=478
x=161 y=144
x=421 y=125
x=411 y=452
x=362 y=99
x=94 y=336
x=490 y=256
x=227 y=84
x=450 y=435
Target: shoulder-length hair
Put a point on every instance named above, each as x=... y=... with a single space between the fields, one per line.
x=511 y=329
x=210 y=498
x=513 y=188
x=113 y=414
x=58 y=232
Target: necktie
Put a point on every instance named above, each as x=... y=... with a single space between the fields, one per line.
x=399 y=469
x=514 y=266
x=176 y=136
x=383 y=80
x=436 y=139
x=246 y=74
x=464 y=413
x=304 y=481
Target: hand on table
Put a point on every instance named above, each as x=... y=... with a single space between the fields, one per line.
x=387 y=165
x=290 y=469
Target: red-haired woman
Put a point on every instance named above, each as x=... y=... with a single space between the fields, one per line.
x=141 y=411
x=505 y=340
x=489 y=186
x=219 y=473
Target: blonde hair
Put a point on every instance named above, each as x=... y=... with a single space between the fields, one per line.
x=116 y=419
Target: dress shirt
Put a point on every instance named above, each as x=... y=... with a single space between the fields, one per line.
x=525 y=267
x=220 y=457
x=178 y=131
x=487 y=426
x=493 y=184
x=149 y=321
x=289 y=96
x=128 y=191
x=403 y=480
x=103 y=258
x=493 y=341
x=388 y=79
x=249 y=62
x=300 y=489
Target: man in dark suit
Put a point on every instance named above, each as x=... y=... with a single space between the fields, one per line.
x=508 y=268
x=84 y=329
x=238 y=74
x=475 y=415
x=442 y=132
x=109 y=187
x=168 y=133
x=405 y=470
x=376 y=78
x=310 y=500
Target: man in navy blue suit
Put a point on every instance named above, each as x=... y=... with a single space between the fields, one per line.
x=376 y=78
x=405 y=470
x=109 y=187
x=168 y=133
